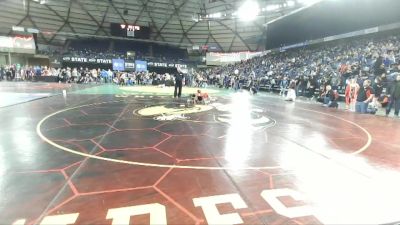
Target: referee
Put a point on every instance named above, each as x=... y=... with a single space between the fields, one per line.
x=178 y=84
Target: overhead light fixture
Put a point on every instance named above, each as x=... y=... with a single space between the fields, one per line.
x=18 y=29
x=214 y=15
x=290 y=3
x=32 y=30
x=217 y=15
x=308 y=2
x=271 y=7
x=249 y=10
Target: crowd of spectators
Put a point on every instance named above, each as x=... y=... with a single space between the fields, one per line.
x=362 y=71
x=90 y=76
x=114 y=54
x=115 y=49
x=26 y=73
x=365 y=73
x=93 y=53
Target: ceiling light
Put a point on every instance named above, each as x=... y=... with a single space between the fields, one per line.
x=249 y=10
x=272 y=7
x=217 y=15
x=17 y=28
x=308 y=2
x=290 y=3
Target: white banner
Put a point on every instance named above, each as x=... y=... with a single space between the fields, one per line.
x=217 y=59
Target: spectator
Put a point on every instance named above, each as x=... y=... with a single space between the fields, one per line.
x=365 y=95
x=378 y=89
x=394 y=96
x=329 y=97
x=291 y=95
x=283 y=86
x=74 y=74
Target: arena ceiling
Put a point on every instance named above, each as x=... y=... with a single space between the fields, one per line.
x=171 y=21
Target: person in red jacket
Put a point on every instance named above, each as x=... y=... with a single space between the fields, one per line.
x=351 y=94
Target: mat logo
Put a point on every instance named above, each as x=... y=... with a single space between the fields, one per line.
x=224 y=113
x=172 y=117
x=253 y=116
x=158 y=215
x=172 y=111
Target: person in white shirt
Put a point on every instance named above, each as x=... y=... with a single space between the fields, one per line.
x=68 y=75
x=74 y=74
x=110 y=74
x=94 y=75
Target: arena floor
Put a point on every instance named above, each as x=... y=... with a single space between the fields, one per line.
x=110 y=155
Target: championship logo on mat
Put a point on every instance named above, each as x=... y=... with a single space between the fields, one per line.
x=224 y=113
x=171 y=112
x=229 y=114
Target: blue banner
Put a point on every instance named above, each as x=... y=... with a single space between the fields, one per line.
x=118 y=64
x=141 y=66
